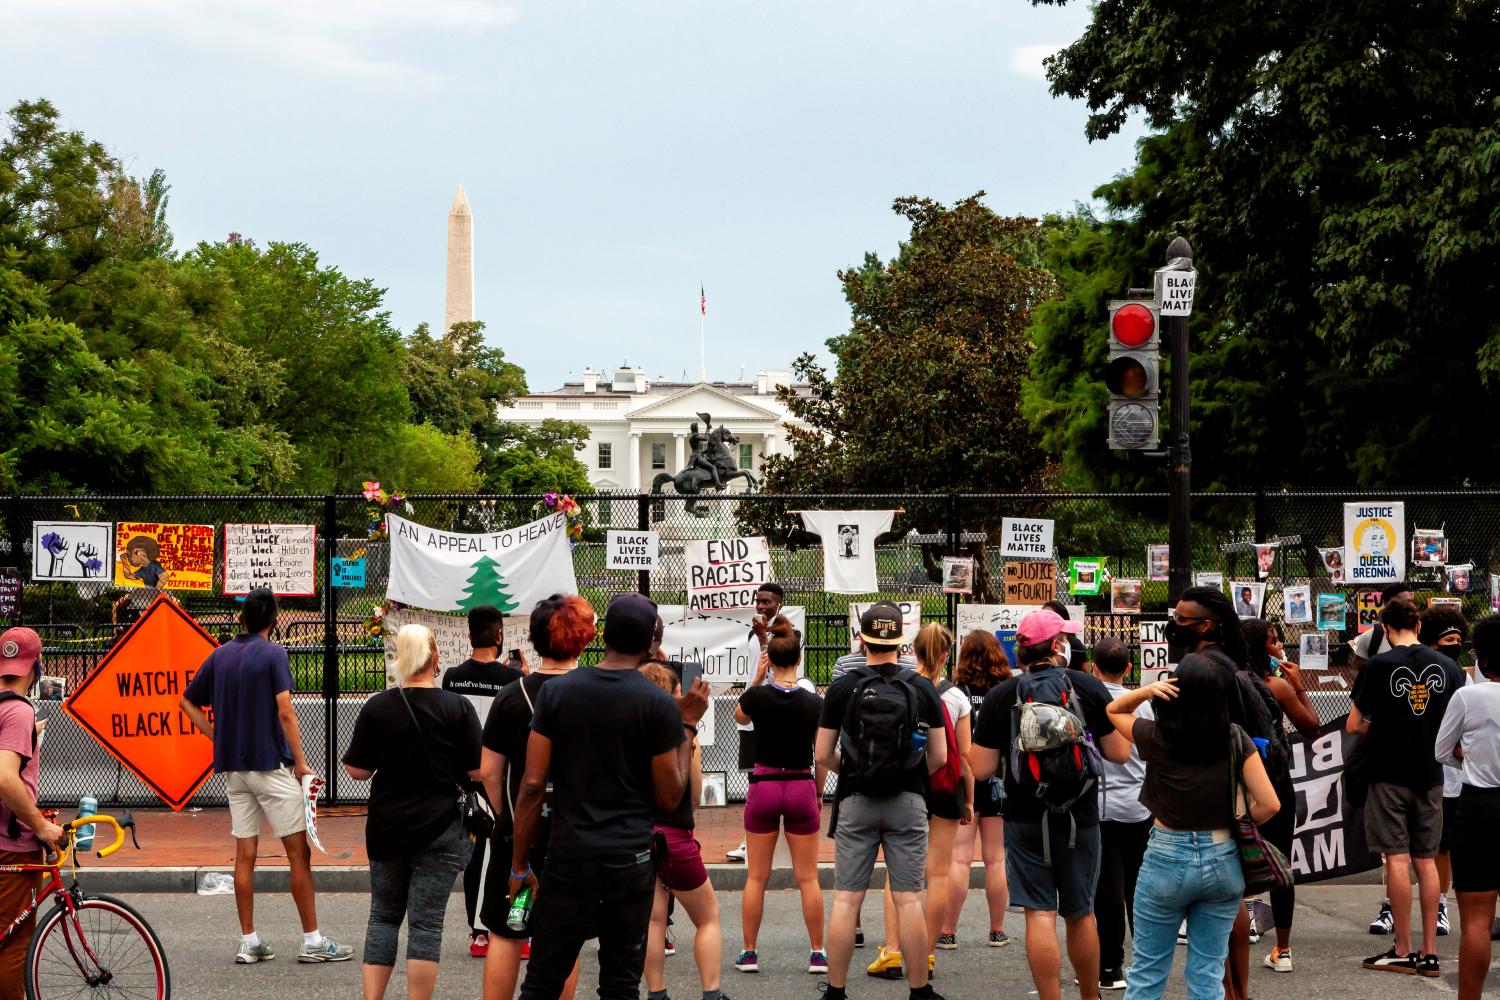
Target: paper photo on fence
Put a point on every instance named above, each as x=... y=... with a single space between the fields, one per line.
x=1460 y=578
x=511 y=569
x=164 y=556
x=1125 y=597
x=1445 y=602
x=1214 y=580
x=1374 y=541
x=52 y=688
x=1249 y=597
x=1086 y=576
x=1495 y=591
x=1314 y=652
x=278 y=556
x=1428 y=547
x=715 y=790
x=1158 y=561
x=1265 y=559
x=71 y=550
x=1333 y=612
x=958 y=575
x=1333 y=563
x=1297 y=605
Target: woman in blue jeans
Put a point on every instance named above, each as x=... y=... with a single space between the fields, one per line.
x=1192 y=868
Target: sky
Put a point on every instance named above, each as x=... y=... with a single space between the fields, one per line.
x=615 y=154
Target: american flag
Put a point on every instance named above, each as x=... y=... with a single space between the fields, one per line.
x=702 y=300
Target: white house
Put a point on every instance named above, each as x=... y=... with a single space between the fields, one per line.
x=639 y=427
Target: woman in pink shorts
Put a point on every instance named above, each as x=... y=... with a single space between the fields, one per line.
x=783 y=793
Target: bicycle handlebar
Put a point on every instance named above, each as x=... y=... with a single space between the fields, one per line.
x=100 y=819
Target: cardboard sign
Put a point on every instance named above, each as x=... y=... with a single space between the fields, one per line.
x=1026 y=537
x=348 y=572
x=71 y=550
x=278 y=556
x=10 y=592
x=1030 y=582
x=129 y=703
x=185 y=552
x=911 y=624
x=1374 y=542
x=631 y=550
x=723 y=574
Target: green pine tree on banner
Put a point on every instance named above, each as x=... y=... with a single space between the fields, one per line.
x=486 y=586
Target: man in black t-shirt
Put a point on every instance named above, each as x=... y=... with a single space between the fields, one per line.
x=1399 y=699
x=1052 y=867
x=887 y=810
x=480 y=678
x=614 y=746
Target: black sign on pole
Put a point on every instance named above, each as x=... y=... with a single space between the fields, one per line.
x=10 y=594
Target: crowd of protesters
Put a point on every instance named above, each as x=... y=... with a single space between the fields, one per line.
x=563 y=799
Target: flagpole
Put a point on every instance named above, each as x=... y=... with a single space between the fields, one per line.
x=702 y=322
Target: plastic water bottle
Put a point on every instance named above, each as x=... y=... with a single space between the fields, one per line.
x=520 y=911
x=87 y=806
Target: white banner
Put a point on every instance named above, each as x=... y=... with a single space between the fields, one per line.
x=911 y=624
x=723 y=574
x=720 y=641
x=1375 y=541
x=511 y=570
x=1026 y=537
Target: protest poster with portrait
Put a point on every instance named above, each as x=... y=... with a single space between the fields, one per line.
x=1158 y=559
x=1125 y=597
x=1214 y=580
x=1086 y=576
x=1428 y=547
x=1333 y=563
x=1265 y=559
x=1249 y=597
x=1374 y=541
x=1313 y=654
x=958 y=574
x=166 y=556
x=1460 y=578
x=1333 y=612
x=1297 y=604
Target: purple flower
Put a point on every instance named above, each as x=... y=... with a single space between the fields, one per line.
x=53 y=543
x=550 y=499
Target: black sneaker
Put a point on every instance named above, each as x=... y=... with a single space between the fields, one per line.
x=1112 y=979
x=1391 y=962
x=859 y=937
x=1427 y=966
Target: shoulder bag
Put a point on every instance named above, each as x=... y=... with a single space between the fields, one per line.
x=473 y=808
x=1263 y=864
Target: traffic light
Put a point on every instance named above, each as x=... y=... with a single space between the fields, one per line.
x=1134 y=375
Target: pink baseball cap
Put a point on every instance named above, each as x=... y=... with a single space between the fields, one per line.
x=1039 y=626
x=20 y=648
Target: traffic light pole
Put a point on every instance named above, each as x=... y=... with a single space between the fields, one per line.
x=1180 y=453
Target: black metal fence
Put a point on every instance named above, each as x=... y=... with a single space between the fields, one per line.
x=337 y=663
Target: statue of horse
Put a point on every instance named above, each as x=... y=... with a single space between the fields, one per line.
x=693 y=481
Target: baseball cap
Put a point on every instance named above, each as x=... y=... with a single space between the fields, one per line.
x=880 y=625
x=629 y=623
x=1040 y=626
x=20 y=648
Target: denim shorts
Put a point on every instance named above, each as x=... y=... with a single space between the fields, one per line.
x=1066 y=885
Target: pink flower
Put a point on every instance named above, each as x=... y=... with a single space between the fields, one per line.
x=372 y=490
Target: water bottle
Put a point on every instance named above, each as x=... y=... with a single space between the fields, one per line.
x=87 y=806
x=520 y=911
x=919 y=738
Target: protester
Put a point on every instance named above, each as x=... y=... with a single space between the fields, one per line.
x=1399 y=699
x=982 y=666
x=480 y=678
x=417 y=746
x=1191 y=869
x=1469 y=741
x=1445 y=629
x=782 y=793
x=24 y=831
x=881 y=730
x=561 y=628
x=1124 y=825
x=769 y=599
x=258 y=747
x=1292 y=704
x=613 y=745
x=1078 y=653
x=681 y=875
x=1051 y=795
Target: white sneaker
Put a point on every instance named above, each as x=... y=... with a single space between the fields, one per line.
x=1182 y=933
x=255 y=953
x=738 y=854
x=329 y=951
x=1279 y=960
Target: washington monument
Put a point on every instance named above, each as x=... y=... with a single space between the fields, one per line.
x=459 y=305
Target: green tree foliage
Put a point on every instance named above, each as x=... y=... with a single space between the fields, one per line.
x=1336 y=166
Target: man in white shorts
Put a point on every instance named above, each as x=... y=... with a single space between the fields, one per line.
x=258 y=748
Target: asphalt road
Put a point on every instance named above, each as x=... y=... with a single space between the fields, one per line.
x=200 y=934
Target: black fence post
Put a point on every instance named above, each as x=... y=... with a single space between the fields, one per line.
x=954 y=547
x=330 y=648
x=643 y=523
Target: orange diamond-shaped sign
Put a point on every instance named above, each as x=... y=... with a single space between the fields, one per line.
x=129 y=703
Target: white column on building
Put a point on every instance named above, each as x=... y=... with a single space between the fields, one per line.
x=769 y=447
x=635 y=460
x=679 y=451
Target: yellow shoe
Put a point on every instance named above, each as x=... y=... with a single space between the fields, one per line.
x=887 y=965
x=931 y=966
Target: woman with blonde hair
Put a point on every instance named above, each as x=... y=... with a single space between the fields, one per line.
x=420 y=745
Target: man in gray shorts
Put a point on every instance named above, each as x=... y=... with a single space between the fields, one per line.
x=882 y=730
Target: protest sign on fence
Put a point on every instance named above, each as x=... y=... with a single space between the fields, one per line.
x=911 y=624
x=719 y=640
x=1375 y=541
x=453 y=571
x=279 y=556
x=184 y=551
x=631 y=550
x=1030 y=581
x=71 y=550
x=1026 y=537
x=723 y=574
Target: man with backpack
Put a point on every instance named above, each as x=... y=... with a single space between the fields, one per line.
x=1044 y=726
x=882 y=731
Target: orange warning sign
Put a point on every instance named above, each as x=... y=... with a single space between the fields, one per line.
x=129 y=703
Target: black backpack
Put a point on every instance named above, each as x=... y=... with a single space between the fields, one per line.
x=875 y=739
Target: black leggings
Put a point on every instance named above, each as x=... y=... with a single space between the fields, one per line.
x=1278 y=830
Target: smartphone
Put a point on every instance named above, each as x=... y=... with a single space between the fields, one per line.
x=514 y=657
x=690 y=672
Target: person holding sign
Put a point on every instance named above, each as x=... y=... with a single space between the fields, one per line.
x=258 y=747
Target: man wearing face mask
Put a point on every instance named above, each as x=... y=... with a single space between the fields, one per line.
x=23 y=828
x=1078 y=653
x=1051 y=861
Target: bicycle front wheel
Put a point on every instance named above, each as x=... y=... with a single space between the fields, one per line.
x=102 y=949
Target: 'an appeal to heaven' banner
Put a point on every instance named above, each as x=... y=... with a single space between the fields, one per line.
x=449 y=571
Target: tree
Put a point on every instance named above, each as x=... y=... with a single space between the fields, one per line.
x=486 y=586
x=1334 y=165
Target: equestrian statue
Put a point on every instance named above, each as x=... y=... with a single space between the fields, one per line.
x=711 y=466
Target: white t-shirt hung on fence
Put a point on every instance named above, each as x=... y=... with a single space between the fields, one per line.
x=849 y=547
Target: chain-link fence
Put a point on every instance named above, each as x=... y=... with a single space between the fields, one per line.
x=336 y=662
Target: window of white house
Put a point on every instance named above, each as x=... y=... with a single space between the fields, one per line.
x=606 y=456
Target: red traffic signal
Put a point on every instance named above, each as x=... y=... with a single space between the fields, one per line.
x=1132 y=325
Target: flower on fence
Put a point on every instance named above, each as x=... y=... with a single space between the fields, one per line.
x=378 y=503
x=375 y=624
x=374 y=492
x=569 y=508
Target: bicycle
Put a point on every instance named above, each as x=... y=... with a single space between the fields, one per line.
x=88 y=945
